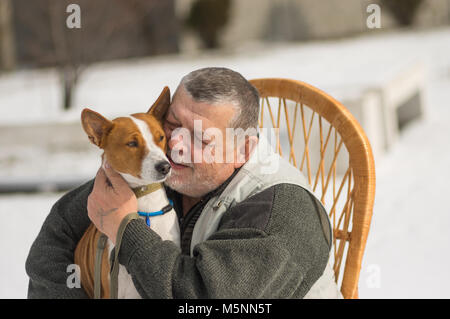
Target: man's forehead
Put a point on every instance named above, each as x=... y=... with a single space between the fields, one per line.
x=187 y=110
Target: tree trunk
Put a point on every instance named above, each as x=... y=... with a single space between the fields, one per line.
x=7 y=51
x=69 y=81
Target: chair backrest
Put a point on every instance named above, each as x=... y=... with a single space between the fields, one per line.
x=320 y=137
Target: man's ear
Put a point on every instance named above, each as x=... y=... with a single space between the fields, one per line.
x=95 y=126
x=160 y=107
x=245 y=150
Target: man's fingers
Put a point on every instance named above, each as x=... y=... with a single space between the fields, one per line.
x=100 y=178
x=113 y=176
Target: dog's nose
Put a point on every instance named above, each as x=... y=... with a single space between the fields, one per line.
x=163 y=167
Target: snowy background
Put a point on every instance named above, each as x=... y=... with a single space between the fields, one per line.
x=407 y=254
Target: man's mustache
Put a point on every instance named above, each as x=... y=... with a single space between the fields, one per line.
x=181 y=160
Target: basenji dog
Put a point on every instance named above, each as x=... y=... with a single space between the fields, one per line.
x=135 y=147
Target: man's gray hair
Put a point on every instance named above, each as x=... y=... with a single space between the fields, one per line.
x=222 y=85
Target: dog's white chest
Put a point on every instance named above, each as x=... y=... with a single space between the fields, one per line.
x=166 y=226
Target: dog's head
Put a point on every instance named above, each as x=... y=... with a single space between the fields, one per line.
x=134 y=146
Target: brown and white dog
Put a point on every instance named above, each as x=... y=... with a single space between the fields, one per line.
x=135 y=147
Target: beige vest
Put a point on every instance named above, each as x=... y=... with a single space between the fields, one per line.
x=264 y=169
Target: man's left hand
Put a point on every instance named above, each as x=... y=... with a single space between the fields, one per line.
x=110 y=201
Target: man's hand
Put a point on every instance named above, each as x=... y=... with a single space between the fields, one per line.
x=110 y=201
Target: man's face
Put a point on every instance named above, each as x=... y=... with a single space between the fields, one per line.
x=191 y=176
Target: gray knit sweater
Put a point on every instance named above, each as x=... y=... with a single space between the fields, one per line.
x=274 y=244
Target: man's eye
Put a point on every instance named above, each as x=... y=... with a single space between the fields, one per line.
x=132 y=144
x=171 y=126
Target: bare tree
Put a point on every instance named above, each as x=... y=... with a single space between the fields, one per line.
x=7 y=55
x=103 y=24
x=207 y=18
x=404 y=11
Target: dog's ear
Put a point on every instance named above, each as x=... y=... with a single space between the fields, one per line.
x=160 y=107
x=95 y=126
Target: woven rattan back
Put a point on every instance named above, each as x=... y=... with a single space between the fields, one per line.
x=320 y=137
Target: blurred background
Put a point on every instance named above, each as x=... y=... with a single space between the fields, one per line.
x=388 y=61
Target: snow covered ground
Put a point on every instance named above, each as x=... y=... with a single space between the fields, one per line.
x=407 y=250
x=21 y=218
x=409 y=239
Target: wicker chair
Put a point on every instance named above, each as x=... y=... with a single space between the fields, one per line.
x=342 y=177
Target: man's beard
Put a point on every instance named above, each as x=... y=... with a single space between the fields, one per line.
x=193 y=184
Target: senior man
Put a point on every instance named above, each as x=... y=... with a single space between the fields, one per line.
x=246 y=231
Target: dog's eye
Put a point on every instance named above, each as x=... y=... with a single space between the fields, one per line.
x=132 y=144
x=161 y=138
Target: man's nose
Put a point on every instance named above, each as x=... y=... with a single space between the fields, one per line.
x=174 y=140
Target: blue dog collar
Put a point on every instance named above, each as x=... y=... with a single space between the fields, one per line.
x=165 y=209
